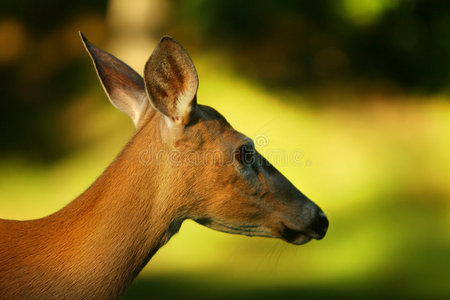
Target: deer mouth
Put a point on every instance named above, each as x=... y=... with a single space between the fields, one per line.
x=293 y=236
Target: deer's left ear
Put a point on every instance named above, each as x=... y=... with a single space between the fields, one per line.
x=124 y=87
x=171 y=81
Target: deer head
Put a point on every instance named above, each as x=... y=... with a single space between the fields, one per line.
x=209 y=172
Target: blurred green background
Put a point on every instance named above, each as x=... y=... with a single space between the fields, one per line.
x=357 y=89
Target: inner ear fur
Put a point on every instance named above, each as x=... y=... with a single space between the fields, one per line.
x=171 y=81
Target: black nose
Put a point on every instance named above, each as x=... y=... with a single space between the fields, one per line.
x=319 y=225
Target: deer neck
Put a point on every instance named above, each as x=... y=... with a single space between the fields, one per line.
x=120 y=222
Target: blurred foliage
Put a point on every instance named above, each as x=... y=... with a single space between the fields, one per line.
x=45 y=15
x=375 y=153
x=42 y=70
x=305 y=43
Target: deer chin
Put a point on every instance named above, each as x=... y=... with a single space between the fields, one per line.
x=285 y=233
x=293 y=236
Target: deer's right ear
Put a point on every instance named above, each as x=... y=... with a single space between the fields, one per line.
x=171 y=81
x=125 y=88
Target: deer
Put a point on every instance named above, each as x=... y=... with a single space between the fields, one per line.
x=95 y=246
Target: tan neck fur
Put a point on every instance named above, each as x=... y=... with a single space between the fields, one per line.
x=103 y=238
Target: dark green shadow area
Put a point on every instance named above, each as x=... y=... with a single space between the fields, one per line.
x=184 y=286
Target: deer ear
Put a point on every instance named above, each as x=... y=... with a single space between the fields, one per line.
x=171 y=81
x=124 y=87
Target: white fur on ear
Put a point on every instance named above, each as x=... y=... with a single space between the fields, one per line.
x=171 y=81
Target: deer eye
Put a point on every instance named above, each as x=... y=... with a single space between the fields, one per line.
x=245 y=155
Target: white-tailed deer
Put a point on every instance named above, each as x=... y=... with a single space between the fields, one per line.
x=95 y=246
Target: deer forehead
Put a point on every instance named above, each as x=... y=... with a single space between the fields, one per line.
x=210 y=130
